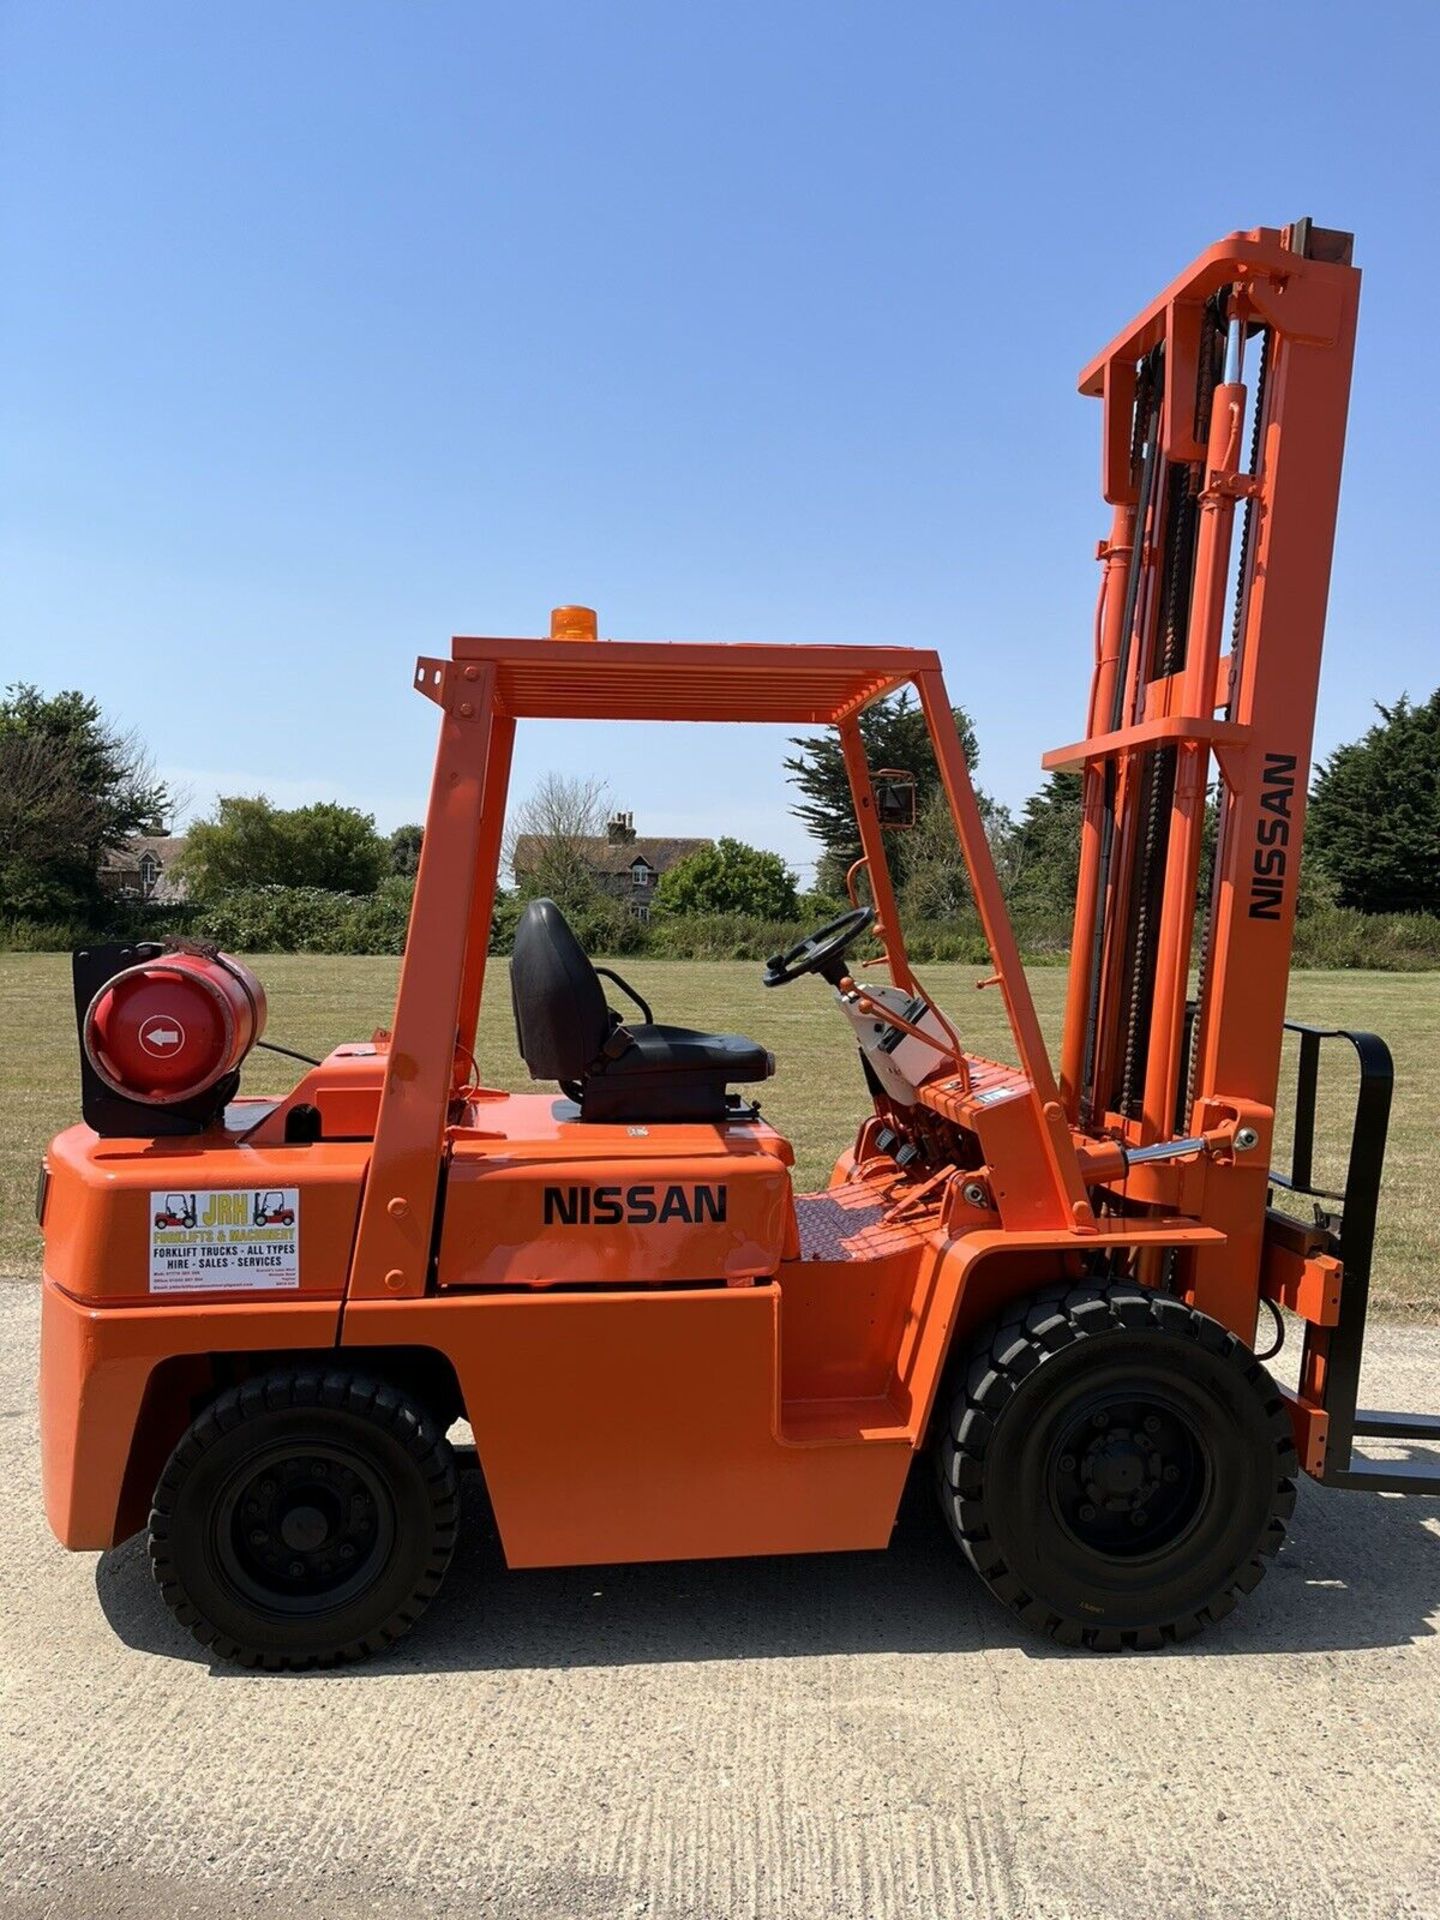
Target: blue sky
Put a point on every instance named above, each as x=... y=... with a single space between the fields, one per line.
x=330 y=330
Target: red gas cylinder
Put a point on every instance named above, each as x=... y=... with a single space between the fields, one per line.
x=172 y=1026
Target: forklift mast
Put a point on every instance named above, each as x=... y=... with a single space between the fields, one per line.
x=1224 y=401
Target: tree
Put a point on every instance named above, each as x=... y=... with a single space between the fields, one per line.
x=934 y=883
x=893 y=733
x=545 y=839
x=934 y=879
x=72 y=788
x=1045 y=850
x=729 y=877
x=1375 y=813
x=404 y=844
x=247 y=842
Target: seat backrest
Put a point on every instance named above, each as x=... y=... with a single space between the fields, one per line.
x=561 y=1019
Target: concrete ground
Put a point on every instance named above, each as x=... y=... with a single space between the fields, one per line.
x=843 y=1738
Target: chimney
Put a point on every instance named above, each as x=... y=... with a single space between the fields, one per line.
x=620 y=829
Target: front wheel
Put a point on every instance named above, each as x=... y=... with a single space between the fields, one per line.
x=1116 y=1466
x=307 y=1517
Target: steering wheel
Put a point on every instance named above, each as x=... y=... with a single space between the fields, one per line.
x=823 y=952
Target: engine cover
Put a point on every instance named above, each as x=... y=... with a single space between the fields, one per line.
x=554 y=1201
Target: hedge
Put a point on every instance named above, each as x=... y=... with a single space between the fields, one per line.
x=310 y=920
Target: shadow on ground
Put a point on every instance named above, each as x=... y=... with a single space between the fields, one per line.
x=1360 y=1570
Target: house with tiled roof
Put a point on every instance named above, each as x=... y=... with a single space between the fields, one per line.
x=142 y=869
x=626 y=865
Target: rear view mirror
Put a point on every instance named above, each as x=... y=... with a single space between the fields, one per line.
x=894 y=797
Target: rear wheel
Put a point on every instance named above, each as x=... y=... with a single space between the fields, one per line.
x=1116 y=1466
x=306 y=1517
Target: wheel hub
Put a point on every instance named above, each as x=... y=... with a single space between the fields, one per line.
x=1121 y=1471
x=1127 y=1476
x=304 y=1530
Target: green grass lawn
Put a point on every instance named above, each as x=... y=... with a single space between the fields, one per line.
x=816 y=1096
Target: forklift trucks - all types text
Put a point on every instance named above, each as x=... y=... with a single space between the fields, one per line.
x=261 y=1317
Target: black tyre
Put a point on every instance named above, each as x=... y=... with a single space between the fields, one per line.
x=1116 y=1466
x=306 y=1518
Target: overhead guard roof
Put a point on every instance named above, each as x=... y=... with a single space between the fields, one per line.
x=689 y=680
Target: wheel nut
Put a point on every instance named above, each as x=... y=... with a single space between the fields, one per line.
x=1139 y=1518
x=1152 y=1423
x=1067 y=1463
x=257 y=1537
x=347 y=1552
x=297 y=1567
x=1100 y=1420
x=1172 y=1474
x=1087 y=1512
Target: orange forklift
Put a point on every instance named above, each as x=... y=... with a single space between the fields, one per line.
x=1048 y=1283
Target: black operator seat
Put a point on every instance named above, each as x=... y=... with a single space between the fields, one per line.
x=617 y=1070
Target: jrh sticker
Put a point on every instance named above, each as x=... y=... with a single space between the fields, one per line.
x=243 y=1240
